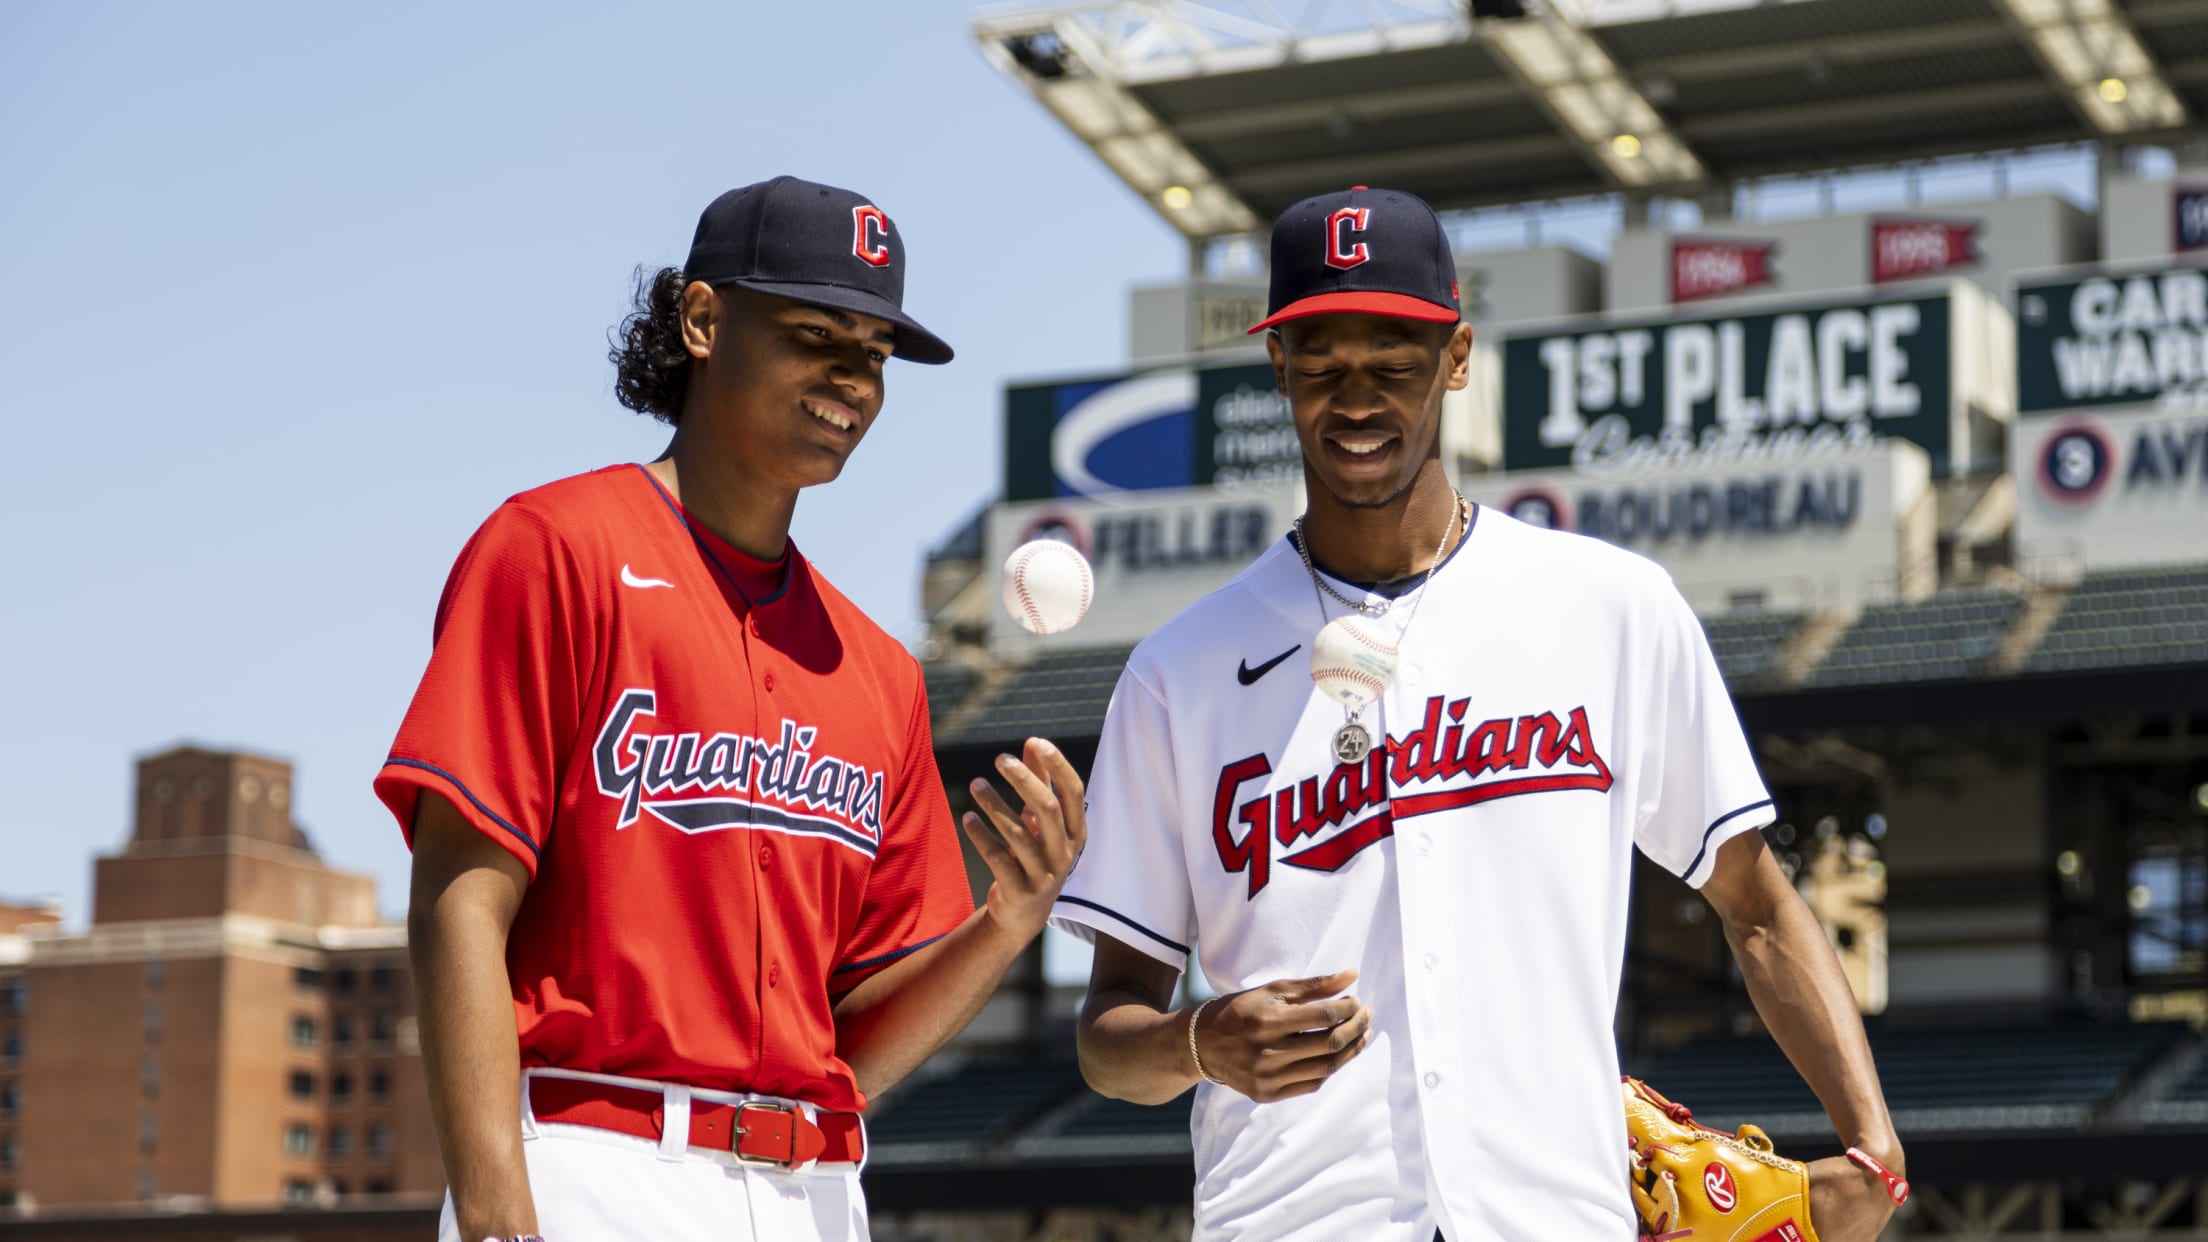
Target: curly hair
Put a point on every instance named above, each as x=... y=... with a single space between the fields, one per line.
x=651 y=365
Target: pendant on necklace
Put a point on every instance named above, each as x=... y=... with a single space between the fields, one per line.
x=1352 y=743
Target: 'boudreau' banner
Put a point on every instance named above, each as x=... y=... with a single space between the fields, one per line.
x=1820 y=532
x=1748 y=387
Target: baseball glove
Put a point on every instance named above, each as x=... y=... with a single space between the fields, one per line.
x=1689 y=1182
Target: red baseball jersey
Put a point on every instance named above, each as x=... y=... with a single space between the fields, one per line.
x=726 y=796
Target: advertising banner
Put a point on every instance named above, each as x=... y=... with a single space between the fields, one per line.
x=2110 y=453
x=1222 y=426
x=1715 y=390
x=2109 y=339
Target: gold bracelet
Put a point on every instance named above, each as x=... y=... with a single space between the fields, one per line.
x=1193 y=1055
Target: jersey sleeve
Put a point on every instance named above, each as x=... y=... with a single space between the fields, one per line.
x=1132 y=880
x=916 y=891
x=497 y=710
x=1701 y=787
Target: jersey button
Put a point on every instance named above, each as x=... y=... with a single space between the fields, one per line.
x=769 y=680
x=1430 y=960
x=1425 y=843
x=774 y=978
x=766 y=856
x=1432 y=1079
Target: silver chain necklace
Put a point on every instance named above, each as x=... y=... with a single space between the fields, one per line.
x=1352 y=742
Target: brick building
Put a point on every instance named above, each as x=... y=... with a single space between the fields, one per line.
x=235 y=1029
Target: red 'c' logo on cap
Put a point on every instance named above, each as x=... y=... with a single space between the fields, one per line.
x=870 y=234
x=1339 y=226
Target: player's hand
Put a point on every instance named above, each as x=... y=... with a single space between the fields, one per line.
x=1032 y=851
x=1847 y=1203
x=1283 y=1039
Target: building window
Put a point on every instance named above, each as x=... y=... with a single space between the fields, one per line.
x=379 y=1141
x=302 y=1085
x=15 y=997
x=306 y=979
x=341 y=1031
x=8 y=1153
x=339 y=1188
x=299 y=1139
x=341 y=1142
x=305 y=1032
x=343 y=979
x=296 y=1191
x=11 y=1048
x=149 y=1134
x=156 y=972
x=145 y=1183
x=341 y=1088
x=383 y=1027
x=11 y=1098
x=153 y=1024
x=149 y=1078
x=379 y=1087
x=377 y=1186
x=381 y=978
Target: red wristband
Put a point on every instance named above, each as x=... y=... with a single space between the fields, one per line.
x=1897 y=1187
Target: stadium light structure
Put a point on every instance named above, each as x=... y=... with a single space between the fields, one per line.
x=2090 y=49
x=1081 y=60
x=1581 y=87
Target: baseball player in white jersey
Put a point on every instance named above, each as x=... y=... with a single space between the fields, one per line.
x=1554 y=706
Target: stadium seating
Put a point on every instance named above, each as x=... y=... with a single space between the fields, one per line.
x=2186 y=1102
x=1937 y=1080
x=1060 y=693
x=1749 y=645
x=948 y=685
x=1949 y=636
x=2128 y=617
x=977 y=1104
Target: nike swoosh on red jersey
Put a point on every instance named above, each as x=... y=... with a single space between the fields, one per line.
x=629 y=578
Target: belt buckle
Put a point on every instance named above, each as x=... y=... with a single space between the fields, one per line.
x=772 y=1162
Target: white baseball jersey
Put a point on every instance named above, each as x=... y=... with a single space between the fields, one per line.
x=1555 y=705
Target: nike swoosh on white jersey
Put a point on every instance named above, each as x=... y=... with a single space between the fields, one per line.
x=629 y=578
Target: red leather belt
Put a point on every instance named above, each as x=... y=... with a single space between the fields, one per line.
x=758 y=1132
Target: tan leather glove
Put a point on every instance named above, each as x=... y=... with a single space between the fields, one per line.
x=1692 y=1183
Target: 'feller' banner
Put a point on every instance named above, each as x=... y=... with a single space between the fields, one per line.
x=1711 y=391
x=1154 y=553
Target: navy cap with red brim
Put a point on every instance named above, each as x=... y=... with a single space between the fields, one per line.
x=1392 y=305
x=1361 y=251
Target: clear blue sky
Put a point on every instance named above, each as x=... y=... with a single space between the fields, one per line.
x=291 y=296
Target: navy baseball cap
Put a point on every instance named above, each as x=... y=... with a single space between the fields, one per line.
x=813 y=244
x=1361 y=251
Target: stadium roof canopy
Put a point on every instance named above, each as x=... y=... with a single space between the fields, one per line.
x=1222 y=112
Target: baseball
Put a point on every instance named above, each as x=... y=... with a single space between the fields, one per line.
x=1352 y=662
x=1047 y=586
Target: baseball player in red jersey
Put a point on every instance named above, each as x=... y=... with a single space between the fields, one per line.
x=1458 y=848
x=678 y=832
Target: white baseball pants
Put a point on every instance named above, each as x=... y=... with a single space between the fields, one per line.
x=593 y=1185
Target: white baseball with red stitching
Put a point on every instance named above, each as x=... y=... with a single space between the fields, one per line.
x=1047 y=586
x=1353 y=661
